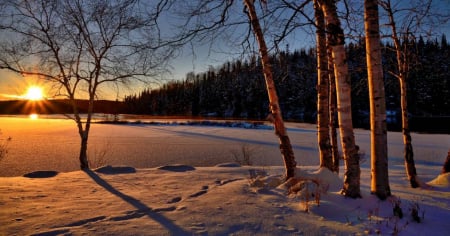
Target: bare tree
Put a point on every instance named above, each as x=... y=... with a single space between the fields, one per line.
x=323 y=130
x=280 y=130
x=407 y=21
x=378 y=128
x=336 y=41
x=80 y=46
x=402 y=57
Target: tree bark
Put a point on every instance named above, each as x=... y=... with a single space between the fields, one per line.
x=336 y=41
x=334 y=141
x=84 y=131
x=84 y=163
x=323 y=131
x=408 y=152
x=446 y=167
x=84 y=135
x=280 y=130
x=83 y=158
x=378 y=129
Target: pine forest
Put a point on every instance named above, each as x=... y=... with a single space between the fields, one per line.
x=236 y=89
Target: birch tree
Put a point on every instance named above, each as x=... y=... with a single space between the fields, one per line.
x=336 y=41
x=378 y=128
x=333 y=112
x=81 y=46
x=323 y=131
x=275 y=111
x=402 y=58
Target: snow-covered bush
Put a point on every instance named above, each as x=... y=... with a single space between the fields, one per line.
x=307 y=189
x=259 y=178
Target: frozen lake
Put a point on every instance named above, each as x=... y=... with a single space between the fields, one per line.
x=53 y=144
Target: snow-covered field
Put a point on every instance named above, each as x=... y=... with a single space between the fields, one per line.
x=201 y=197
x=54 y=144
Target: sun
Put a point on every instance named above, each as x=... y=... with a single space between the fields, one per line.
x=33 y=116
x=34 y=93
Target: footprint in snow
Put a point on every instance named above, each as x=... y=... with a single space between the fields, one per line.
x=201 y=192
x=172 y=208
x=199 y=228
x=174 y=200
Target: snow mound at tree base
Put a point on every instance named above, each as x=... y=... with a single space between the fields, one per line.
x=323 y=176
x=443 y=180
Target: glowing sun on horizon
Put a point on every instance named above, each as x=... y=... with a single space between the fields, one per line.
x=34 y=93
x=34 y=116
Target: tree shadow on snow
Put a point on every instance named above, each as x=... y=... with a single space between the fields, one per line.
x=235 y=139
x=141 y=207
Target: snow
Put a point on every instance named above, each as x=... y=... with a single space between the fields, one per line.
x=443 y=181
x=181 y=195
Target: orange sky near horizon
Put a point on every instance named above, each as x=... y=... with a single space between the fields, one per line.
x=14 y=87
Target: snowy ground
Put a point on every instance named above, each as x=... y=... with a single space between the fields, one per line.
x=54 y=144
x=208 y=200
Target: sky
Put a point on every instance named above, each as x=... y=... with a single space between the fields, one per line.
x=195 y=57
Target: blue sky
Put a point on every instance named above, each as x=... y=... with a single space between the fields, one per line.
x=199 y=56
x=222 y=49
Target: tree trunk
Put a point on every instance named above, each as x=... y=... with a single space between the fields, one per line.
x=334 y=141
x=336 y=41
x=83 y=132
x=280 y=130
x=84 y=135
x=378 y=130
x=408 y=152
x=84 y=163
x=446 y=167
x=402 y=67
x=323 y=131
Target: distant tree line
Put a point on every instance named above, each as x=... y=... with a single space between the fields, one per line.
x=59 y=106
x=236 y=89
